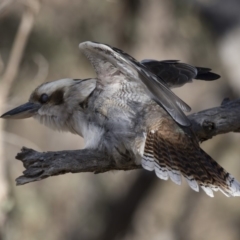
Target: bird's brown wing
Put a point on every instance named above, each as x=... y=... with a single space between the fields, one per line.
x=176 y=74
x=172 y=153
x=112 y=64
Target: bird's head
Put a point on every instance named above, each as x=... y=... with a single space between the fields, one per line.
x=54 y=103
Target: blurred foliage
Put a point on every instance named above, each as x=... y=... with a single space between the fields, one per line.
x=118 y=205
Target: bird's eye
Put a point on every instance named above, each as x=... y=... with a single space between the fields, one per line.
x=44 y=98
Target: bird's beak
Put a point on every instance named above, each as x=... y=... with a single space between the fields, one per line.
x=23 y=111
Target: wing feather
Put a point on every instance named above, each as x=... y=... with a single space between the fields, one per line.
x=107 y=60
x=176 y=74
x=175 y=153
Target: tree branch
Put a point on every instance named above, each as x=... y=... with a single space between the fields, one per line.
x=40 y=165
x=214 y=121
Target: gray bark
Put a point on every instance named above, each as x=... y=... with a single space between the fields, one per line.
x=40 y=165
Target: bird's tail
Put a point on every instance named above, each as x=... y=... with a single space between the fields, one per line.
x=206 y=74
x=171 y=160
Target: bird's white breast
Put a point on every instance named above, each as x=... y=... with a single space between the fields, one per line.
x=92 y=135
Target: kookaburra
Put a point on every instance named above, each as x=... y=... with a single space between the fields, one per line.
x=129 y=111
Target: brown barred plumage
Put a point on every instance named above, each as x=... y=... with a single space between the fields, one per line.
x=172 y=153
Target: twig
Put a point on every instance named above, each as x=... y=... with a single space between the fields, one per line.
x=7 y=80
x=205 y=124
x=20 y=41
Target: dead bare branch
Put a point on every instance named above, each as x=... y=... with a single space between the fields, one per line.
x=40 y=165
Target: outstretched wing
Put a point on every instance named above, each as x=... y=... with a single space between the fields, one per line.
x=176 y=74
x=111 y=64
x=171 y=153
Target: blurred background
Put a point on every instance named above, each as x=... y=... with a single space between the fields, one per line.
x=39 y=42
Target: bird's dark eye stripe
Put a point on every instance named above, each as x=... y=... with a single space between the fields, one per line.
x=43 y=98
x=57 y=97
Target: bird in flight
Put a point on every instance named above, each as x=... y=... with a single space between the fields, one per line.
x=129 y=112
